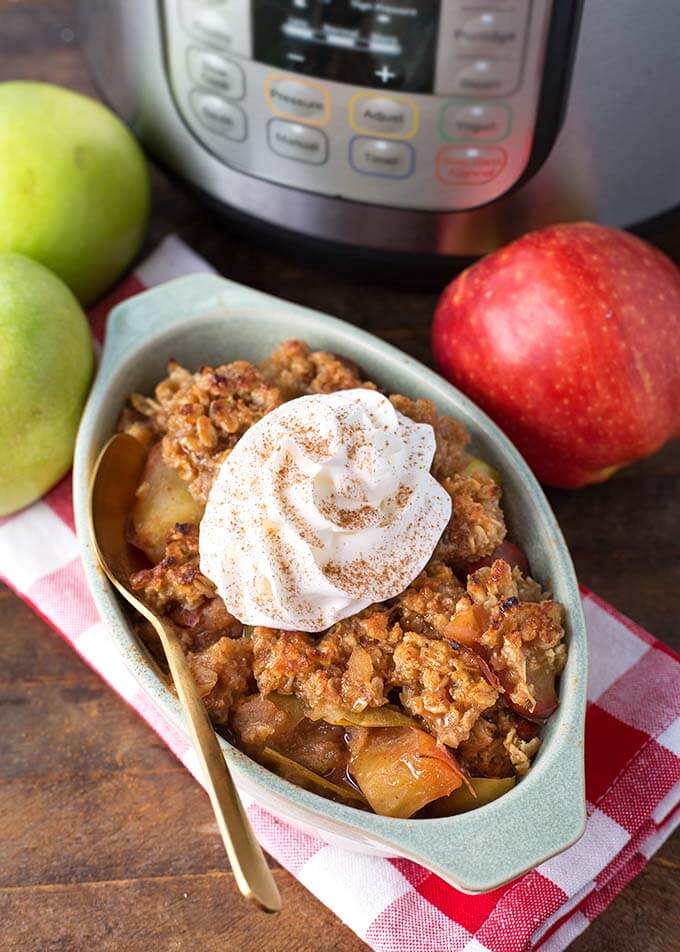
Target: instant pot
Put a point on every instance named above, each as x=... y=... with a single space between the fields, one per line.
x=428 y=127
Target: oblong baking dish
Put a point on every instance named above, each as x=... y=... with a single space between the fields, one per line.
x=204 y=319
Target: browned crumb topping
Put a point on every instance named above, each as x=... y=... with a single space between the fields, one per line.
x=477 y=525
x=450 y=435
x=176 y=580
x=409 y=644
x=500 y=744
x=429 y=603
x=200 y=416
x=295 y=370
x=342 y=669
x=223 y=673
x=469 y=657
x=443 y=686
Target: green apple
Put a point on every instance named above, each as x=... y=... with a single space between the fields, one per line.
x=46 y=363
x=74 y=186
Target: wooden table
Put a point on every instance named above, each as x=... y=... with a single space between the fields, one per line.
x=105 y=841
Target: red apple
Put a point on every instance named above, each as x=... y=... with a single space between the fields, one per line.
x=569 y=338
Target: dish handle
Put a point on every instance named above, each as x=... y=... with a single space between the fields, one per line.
x=146 y=314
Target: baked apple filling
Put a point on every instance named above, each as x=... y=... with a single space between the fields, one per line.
x=351 y=609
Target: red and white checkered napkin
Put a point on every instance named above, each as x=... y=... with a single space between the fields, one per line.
x=632 y=753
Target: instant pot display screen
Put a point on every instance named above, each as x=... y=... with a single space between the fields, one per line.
x=388 y=45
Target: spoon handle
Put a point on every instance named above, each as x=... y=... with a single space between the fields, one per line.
x=253 y=876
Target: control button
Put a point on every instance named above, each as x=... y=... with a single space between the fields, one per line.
x=474 y=122
x=471 y=31
x=214 y=71
x=293 y=141
x=298 y=99
x=385 y=158
x=492 y=33
x=486 y=77
x=209 y=24
x=389 y=116
x=475 y=165
x=384 y=74
x=223 y=118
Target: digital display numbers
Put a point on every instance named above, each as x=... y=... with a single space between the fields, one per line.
x=388 y=45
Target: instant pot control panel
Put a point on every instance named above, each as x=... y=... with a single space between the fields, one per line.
x=420 y=104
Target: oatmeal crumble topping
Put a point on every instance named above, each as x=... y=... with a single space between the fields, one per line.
x=467 y=654
x=477 y=525
x=450 y=434
x=200 y=416
x=176 y=580
x=295 y=370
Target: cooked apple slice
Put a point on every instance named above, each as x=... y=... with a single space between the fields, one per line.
x=163 y=500
x=386 y=716
x=468 y=624
x=540 y=683
x=484 y=790
x=290 y=705
x=477 y=467
x=401 y=769
x=294 y=772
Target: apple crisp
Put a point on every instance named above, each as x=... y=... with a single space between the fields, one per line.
x=397 y=707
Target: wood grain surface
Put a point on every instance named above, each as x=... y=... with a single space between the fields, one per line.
x=106 y=842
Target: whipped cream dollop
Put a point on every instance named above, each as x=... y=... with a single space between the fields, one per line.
x=324 y=506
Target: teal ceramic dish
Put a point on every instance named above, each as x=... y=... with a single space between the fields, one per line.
x=204 y=319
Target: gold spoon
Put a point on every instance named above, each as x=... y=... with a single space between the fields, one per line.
x=115 y=478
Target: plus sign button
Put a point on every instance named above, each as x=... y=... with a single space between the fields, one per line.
x=387 y=75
